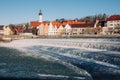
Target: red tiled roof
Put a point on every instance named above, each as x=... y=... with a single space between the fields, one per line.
x=73 y=22
x=35 y=23
x=77 y=23
x=44 y=23
x=57 y=24
x=114 y=17
x=82 y=25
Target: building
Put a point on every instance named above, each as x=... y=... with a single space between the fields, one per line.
x=78 y=29
x=52 y=29
x=113 y=24
x=46 y=28
x=87 y=28
x=61 y=30
x=41 y=29
x=9 y=30
x=34 y=26
x=68 y=29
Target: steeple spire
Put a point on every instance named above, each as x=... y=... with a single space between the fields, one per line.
x=40 y=13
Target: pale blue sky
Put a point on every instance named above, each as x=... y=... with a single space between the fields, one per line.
x=20 y=11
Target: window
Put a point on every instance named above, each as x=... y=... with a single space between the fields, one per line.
x=111 y=24
x=74 y=33
x=82 y=30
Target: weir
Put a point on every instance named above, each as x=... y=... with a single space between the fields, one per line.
x=88 y=58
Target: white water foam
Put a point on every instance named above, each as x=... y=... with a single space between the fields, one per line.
x=63 y=43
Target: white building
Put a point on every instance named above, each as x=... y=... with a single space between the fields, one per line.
x=61 y=30
x=68 y=29
x=113 y=23
x=52 y=30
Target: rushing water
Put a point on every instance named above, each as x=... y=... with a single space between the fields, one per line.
x=61 y=59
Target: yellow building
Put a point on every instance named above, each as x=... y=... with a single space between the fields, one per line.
x=8 y=30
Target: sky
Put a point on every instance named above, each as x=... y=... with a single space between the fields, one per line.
x=22 y=11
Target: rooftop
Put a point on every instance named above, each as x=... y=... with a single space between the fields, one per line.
x=114 y=17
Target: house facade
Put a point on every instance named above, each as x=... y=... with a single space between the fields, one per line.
x=52 y=30
x=46 y=29
x=61 y=30
x=68 y=29
x=41 y=29
x=35 y=25
x=78 y=29
x=8 y=30
x=113 y=24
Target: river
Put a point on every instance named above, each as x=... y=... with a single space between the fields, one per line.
x=61 y=59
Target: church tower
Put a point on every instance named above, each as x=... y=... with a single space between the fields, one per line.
x=40 y=16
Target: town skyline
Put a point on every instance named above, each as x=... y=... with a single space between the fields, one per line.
x=14 y=11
